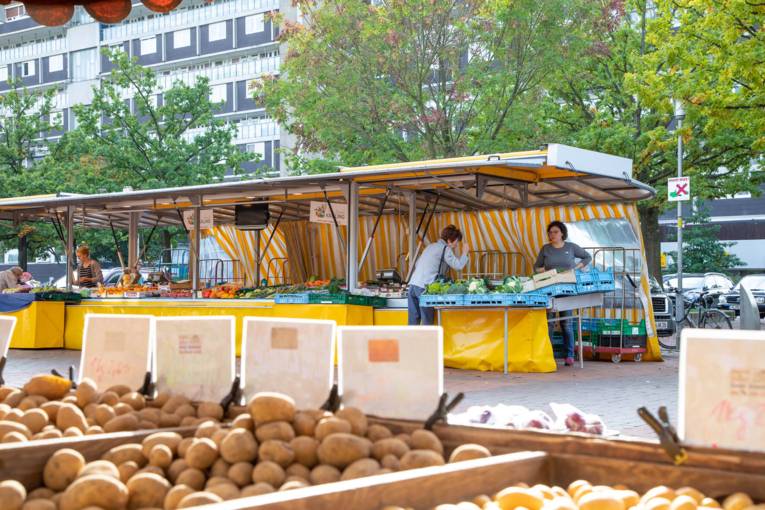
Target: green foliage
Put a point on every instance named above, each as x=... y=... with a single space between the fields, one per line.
x=703 y=252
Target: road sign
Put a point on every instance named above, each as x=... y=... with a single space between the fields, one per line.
x=679 y=189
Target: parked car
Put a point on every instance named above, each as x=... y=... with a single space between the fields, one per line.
x=663 y=309
x=755 y=283
x=695 y=283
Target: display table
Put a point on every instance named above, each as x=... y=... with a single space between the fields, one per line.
x=39 y=326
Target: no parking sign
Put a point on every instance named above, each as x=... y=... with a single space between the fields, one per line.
x=679 y=189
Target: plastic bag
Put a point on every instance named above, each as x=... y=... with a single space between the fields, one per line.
x=569 y=418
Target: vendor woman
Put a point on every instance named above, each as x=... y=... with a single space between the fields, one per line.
x=433 y=263
x=562 y=255
x=88 y=270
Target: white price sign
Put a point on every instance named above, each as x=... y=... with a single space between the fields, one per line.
x=321 y=213
x=7 y=325
x=205 y=219
x=679 y=189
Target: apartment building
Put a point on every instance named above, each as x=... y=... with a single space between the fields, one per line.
x=232 y=42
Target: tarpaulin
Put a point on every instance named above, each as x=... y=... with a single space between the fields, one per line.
x=16 y=301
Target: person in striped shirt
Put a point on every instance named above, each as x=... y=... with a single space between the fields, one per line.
x=89 y=273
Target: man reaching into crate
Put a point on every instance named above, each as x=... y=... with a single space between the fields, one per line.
x=433 y=264
x=561 y=255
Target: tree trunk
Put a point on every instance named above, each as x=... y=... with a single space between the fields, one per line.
x=166 y=246
x=649 y=225
x=23 y=252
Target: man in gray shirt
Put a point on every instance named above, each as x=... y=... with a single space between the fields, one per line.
x=433 y=262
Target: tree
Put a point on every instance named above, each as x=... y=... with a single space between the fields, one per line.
x=703 y=252
x=24 y=115
x=172 y=141
x=401 y=81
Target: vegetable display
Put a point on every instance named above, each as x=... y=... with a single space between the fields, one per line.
x=510 y=285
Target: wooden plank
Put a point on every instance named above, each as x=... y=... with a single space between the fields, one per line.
x=25 y=461
x=419 y=488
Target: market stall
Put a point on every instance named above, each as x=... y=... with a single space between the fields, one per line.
x=356 y=222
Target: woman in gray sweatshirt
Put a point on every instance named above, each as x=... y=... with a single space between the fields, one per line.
x=562 y=255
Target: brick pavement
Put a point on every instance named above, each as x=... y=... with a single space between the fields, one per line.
x=614 y=391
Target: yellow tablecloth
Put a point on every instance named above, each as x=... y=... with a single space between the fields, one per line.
x=39 y=326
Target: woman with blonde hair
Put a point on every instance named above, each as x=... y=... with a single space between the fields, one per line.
x=89 y=273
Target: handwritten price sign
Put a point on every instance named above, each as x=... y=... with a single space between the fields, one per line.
x=722 y=389
x=115 y=349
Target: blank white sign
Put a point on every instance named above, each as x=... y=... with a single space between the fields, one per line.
x=195 y=356
x=391 y=371
x=7 y=325
x=116 y=349
x=290 y=356
x=722 y=389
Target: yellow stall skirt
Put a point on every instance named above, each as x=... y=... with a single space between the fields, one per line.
x=39 y=326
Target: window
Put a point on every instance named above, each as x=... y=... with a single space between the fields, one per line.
x=84 y=64
x=28 y=68
x=217 y=31
x=55 y=63
x=15 y=12
x=254 y=24
x=182 y=38
x=3 y=73
x=256 y=148
x=218 y=93
x=148 y=46
x=57 y=119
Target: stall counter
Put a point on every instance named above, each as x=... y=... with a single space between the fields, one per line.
x=39 y=326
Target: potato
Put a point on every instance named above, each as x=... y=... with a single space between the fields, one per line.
x=169 y=420
x=360 y=468
x=202 y=453
x=234 y=411
x=277 y=451
x=293 y=484
x=298 y=469
x=658 y=492
x=266 y=407
x=356 y=418
x=391 y=462
x=256 y=490
x=324 y=473
x=12 y=495
x=62 y=468
x=737 y=501
x=342 y=449
x=192 y=477
x=243 y=421
x=160 y=400
x=121 y=423
x=206 y=429
x=175 y=495
x=169 y=439
x=468 y=452
x=147 y=490
x=125 y=453
x=119 y=389
x=657 y=503
x=99 y=467
x=87 y=392
x=12 y=426
x=683 y=502
x=94 y=429
x=121 y=408
x=40 y=493
x=95 y=490
x=176 y=468
x=387 y=446
x=48 y=434
x=127 y=470
x=186 y=410
x=198 y=499
x=69 y=415
x=5 y=391
x=710 y=503
x=601 y=500
x=268 y=472
x=210 y=410
x=513 y=497
x=161 y=456
x=189 y=421
x=73 y=432
x=184 y=445
x=15 y=397
x=149 y=414
x=39 y=504
x=574 y=486
x=331 y=425
x=28 y=403
x=226 y=491
x=305 y=450
x=14 y=415
x=14 y=437
x=49 y=386
x=690 y=491
x=238 y=445
x=421 y=458
x=405 y=438
x=173 y=403
x=109 y=398
x=280 y=430
x=426 y=440
x=240 y=473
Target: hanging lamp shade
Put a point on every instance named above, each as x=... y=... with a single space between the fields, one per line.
x=56 y=13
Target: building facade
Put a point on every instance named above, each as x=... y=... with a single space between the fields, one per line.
x=232 y=42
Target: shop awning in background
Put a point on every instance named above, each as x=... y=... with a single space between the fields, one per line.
x=57 y=13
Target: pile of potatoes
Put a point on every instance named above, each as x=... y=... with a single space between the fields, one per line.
x=47 y=408
x=581 y=495
x=271 y=446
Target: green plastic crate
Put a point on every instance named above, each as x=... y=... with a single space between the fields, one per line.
x=337 y=299
x=72 y=297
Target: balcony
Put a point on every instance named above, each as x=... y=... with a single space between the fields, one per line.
x=34 y=50
x=248 y=68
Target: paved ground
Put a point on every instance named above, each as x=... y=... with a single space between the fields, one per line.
x=613 y=391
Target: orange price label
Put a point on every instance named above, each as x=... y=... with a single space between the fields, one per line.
x=383 y=351
x=284 y=338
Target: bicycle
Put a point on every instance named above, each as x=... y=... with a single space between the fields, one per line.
x=708 y=318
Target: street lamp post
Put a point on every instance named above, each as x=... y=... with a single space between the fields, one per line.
x=679 y=303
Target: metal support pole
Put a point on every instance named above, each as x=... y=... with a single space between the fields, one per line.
x=69 y=248
x=352 y=267
x=197 y=243
x=371 y=237
x=679 y=303
x=412 y=230
x=257 y=256
x=506 y=340
x=133 y=240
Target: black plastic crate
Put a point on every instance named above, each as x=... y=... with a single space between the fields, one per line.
x=629 y=341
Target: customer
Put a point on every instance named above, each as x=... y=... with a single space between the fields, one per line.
x=561 y=255
x=11 y=278
x=88 y=270
x=433 y=263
